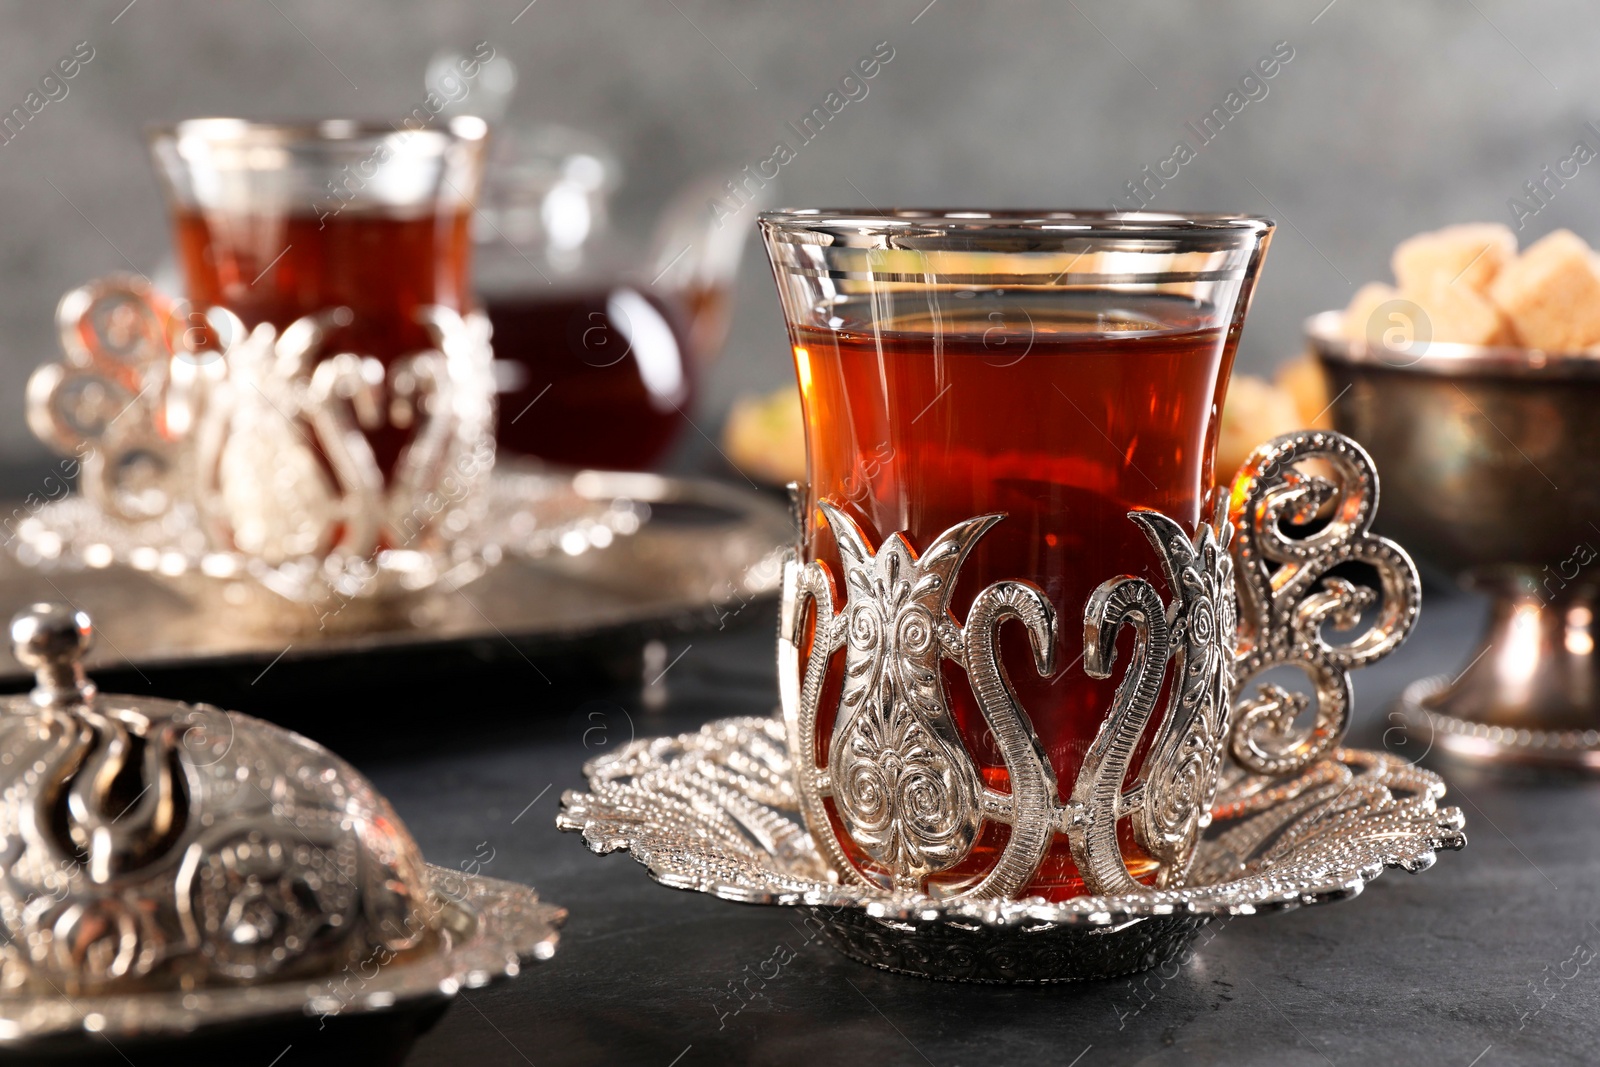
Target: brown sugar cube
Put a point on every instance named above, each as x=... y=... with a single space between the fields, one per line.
x=1471 y=254
x=1551 y=294
x=1457 y=314
x=1361 y=319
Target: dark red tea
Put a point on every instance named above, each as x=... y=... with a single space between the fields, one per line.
x=274 y=268
x=599 y=378
x=1063 y=431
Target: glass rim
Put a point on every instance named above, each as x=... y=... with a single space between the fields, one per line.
x=219 y=129
x=1076 y=222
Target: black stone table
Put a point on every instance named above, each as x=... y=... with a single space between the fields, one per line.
x=1490 y=958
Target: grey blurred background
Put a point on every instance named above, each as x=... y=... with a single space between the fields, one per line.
x=1389 y=119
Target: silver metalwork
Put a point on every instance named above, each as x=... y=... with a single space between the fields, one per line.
x=591 y=557
x=1489 y=454
x=741 y=809
x=175 y=864
x=909 y=796
x=284 y=405
x=527 y=510
x=105 y=403
x=488 y=930
x=720 y=811
x=1171 y=801
x=1301 y=506
x=259 y=448
x=906 y=791
x=1489 y=743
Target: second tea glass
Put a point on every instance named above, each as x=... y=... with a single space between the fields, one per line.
x=352 y=430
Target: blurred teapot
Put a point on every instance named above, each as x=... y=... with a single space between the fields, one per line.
x=603 y=321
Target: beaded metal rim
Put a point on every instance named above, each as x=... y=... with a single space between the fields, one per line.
x=716 y=812
x=1483 y=742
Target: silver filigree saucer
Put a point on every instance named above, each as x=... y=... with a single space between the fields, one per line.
x=527 y=510
x=716 y=811
x=531 y=511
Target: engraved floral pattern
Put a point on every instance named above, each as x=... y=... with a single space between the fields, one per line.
x=262 y=902
x=1182 y=772
x=907 y=802
x=904 y=787
x=268 y=858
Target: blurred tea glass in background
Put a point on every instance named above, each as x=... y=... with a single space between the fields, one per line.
x=280 y=221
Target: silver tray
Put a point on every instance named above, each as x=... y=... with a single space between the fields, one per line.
x=703 y=554
x=716 y=812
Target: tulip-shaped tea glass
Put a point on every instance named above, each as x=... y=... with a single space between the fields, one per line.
x=1010 y=426
x=359 y=411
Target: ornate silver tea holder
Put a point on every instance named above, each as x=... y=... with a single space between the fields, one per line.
x=1245 y=810
x=244 y=472
x=171 y=870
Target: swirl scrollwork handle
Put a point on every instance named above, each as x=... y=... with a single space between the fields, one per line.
x=1302 y=505
x=116 y=401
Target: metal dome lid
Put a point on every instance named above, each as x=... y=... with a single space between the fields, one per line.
x=153 y=847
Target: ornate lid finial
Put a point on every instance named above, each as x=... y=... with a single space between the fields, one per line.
x=52 y=639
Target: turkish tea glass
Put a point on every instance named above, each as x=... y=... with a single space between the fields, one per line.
x=1046 y=373
x=278 y=221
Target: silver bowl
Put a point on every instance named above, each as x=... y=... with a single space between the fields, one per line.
x=1491 y=467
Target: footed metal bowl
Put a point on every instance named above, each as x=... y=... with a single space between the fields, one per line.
x=1491 y=467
